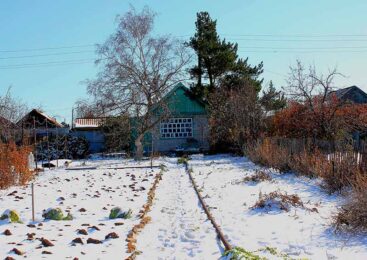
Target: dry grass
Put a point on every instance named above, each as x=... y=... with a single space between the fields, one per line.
x=277 y=199
x=353 y=215
x=258 y=176
x=264 y=154
x=337 y=174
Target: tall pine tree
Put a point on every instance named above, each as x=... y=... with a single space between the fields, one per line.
x=217 y=60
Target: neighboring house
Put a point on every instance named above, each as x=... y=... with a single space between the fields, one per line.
x=351 y=94
x=90 y=129
x=40 y=124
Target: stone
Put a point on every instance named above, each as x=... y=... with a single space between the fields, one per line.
x=112 y=235
x=7 y=232
x=46 y=243
x=93 y=241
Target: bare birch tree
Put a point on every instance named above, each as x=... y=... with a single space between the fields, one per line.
x=138 y=69
x=11 y=111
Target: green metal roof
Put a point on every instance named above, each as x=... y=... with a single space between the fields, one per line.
x=181 y=102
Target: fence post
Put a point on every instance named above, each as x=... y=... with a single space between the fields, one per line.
x=32 y=185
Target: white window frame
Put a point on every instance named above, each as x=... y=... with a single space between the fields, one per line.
x=177 y=127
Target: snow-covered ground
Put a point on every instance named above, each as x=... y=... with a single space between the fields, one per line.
x=299 y=233
x=96 y=191
x=179 y=228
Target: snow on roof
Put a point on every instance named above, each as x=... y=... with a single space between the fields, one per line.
x=88 y=122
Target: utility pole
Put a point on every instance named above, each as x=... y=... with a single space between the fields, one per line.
x=72 y=118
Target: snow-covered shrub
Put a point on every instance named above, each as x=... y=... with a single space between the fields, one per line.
x=67 y=147
x=117 y=212
x=11 y=215
x=56 y=214
x=278 y=201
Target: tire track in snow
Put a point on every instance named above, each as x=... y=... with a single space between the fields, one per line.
x=179 y=228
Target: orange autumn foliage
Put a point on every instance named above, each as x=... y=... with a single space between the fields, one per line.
x=14 y=165
x=326 y=120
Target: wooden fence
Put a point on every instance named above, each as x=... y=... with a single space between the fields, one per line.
x=337 y=151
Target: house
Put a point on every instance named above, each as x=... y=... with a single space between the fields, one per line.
x=39 y=124
x=90 y=129
x=186 y=128
x=351 y=94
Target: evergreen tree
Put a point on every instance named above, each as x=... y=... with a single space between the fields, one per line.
x=218 y=62
x=273 y=99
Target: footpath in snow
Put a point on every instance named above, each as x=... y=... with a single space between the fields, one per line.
x=179 y=227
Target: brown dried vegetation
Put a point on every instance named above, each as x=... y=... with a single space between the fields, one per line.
x=14 y=165
x=258 y=176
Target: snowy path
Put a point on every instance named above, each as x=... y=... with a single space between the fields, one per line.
x=179 y=227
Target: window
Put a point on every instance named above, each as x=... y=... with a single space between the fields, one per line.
x=176 y=128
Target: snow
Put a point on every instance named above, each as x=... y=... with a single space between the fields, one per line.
x=179 y=228
x=298 y=233
x=95 y=190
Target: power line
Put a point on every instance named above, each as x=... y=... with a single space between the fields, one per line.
x=44 y=55
x=50 y=48
x=303 y=48
x=297 y=35
x=302 y=51
x=298 y=40
x=52 y=63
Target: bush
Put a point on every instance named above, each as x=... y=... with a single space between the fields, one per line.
x=11 y=215
x=118 y=213
x=14 y=165
x=56 y=214
x=353 y=215
x=66 y=147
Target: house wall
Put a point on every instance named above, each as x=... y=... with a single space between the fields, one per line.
x=200 y=133
x=95 y=138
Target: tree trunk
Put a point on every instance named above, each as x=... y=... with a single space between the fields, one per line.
x=139 y=147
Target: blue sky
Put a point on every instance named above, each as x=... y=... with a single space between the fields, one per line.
x=326 y=33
